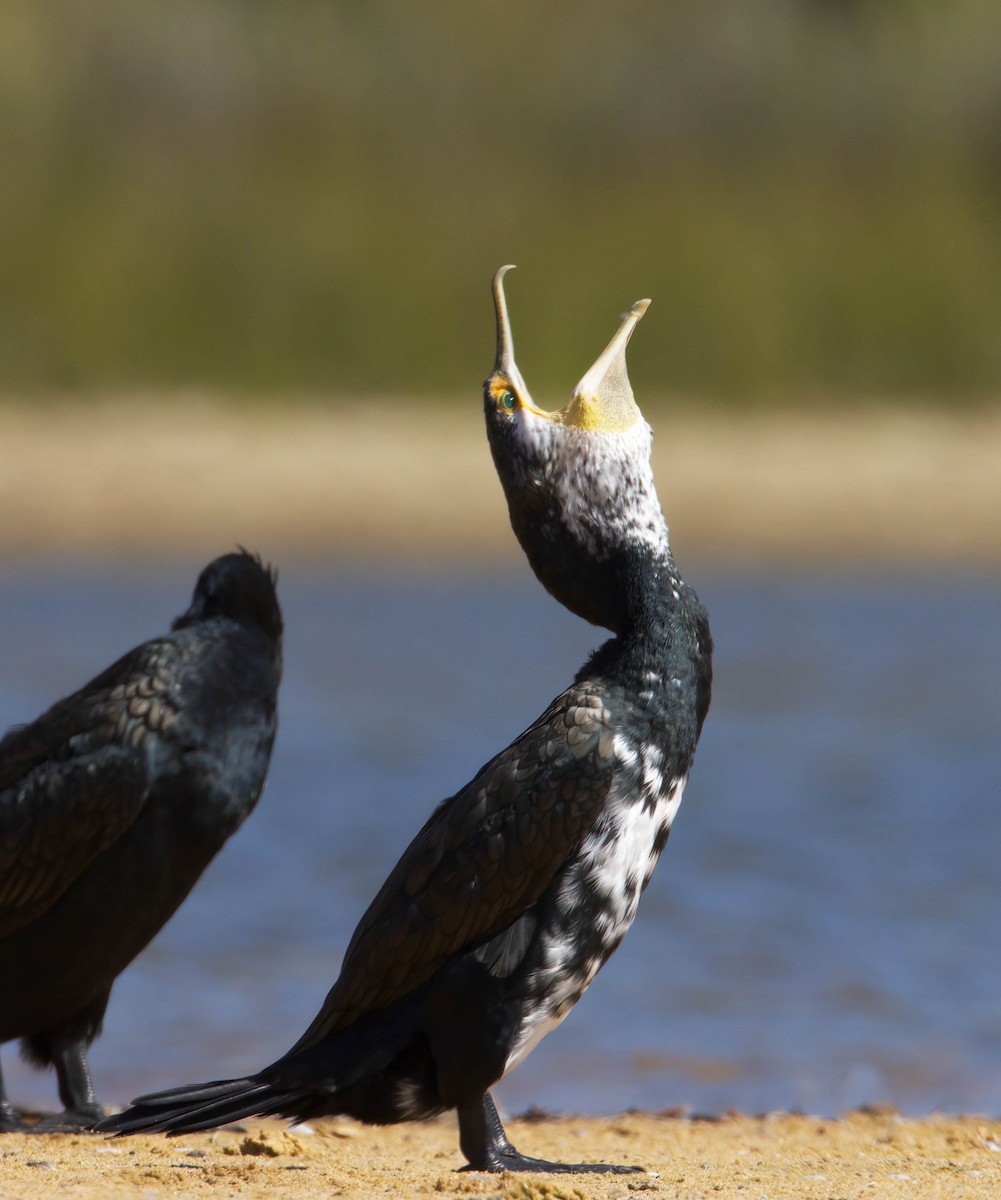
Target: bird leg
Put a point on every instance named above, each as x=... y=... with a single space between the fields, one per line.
x=9 y=1120
x=484 y=1143
x=76 y=1090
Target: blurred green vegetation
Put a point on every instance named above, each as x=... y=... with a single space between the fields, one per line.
x=311 y=197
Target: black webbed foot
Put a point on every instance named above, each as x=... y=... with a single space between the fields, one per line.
x=483 y=1141
x=72 y=1120
x=10 y=1121
x=511 y=1160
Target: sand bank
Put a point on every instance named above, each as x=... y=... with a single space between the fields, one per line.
x=364 y=478
x=876 y=1155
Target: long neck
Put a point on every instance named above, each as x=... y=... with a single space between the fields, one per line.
x=665 y=642
x=654 y=592
x=604 y=570
x=584 y=507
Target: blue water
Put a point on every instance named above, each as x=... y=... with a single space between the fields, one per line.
x=822 y=930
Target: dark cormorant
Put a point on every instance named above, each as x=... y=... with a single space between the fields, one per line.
x=114 y=801
x=519 y=887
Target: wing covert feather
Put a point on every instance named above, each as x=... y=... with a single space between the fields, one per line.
x=75 y=779
x=484 y=856
x=57 y=821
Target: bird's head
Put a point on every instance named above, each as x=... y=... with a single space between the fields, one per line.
x=239 y=586
x=578 y=481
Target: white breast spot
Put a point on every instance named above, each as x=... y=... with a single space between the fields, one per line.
x=674 y=799
x=623 y=751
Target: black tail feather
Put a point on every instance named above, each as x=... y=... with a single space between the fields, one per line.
x=351 y=1072
x=213 y=1090
x=203 y=1106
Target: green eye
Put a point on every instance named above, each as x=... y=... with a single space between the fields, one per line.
x=508 y=401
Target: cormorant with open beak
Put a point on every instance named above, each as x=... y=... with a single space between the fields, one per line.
x=519 y=887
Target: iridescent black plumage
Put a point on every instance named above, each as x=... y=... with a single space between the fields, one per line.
x=114 y=801
x=520 y=886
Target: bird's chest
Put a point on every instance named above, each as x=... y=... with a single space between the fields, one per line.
x=593 y=907
x=603 y=885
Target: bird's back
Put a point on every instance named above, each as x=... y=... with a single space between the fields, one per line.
x=114 y=801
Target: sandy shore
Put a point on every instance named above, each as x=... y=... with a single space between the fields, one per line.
x=363 y=478
x=778 y=1157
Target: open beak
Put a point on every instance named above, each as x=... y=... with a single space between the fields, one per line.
x=603 y=400
x=504 y=363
